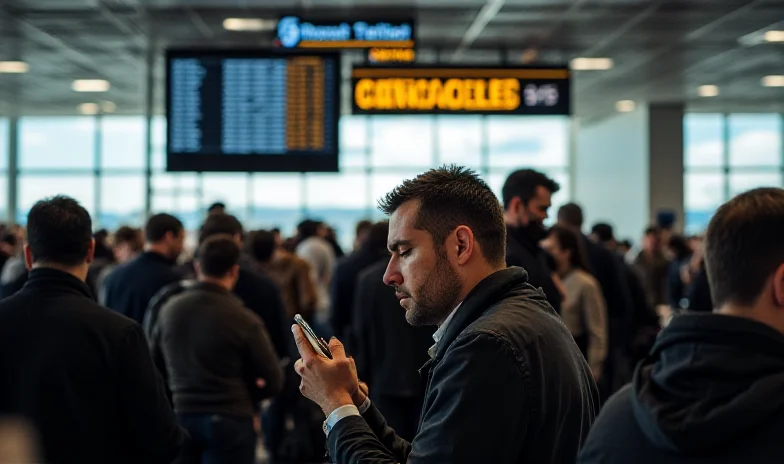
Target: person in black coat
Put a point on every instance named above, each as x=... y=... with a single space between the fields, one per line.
x=344 y=279
x=527 y=197
x=80 y=374
x=256 y=291
x=129 y=288
x=710 y=390
x=388 y=351
x=505 y=384
x=609 y=270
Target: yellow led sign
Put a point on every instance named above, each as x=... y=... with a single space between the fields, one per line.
x=408 y=89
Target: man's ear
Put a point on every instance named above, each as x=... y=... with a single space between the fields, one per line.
x=778 y=286
x=91 y=252
x=464 y=240
x=28 y=254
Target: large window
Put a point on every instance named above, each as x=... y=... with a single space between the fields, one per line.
x=726 y=155
x=101 y=161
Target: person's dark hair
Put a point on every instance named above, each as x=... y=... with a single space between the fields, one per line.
x=159 y=225
x=261 y=245
x=220 y=224
x=377 y=237
x=217 y=255
x=571 y=214
x=743 y=245
x=451 y=196
x=651 y=230
x=603 y=231
x=523 y=183
x=9 y=238
x=626 y=243
x=308 y=228
x=59 y=231
x=569 y=240
x=129 y=235
x=275 y=230
x=363 y=226
x=679 y=246
x=216 y=206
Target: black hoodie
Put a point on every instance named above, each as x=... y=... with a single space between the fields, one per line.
x=711 y=391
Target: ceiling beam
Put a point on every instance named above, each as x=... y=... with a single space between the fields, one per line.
x=485 y=15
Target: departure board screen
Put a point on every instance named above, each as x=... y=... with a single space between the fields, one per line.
x=419 y=89
x=252 y=111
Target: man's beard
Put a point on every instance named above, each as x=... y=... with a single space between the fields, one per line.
x=436 y=297
x=536 y=231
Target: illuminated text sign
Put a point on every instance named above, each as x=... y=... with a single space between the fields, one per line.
x=420 y=90
x=293 y=32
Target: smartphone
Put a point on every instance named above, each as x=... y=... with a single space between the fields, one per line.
x=317 y=342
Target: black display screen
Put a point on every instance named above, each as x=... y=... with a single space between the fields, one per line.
x=240 y=110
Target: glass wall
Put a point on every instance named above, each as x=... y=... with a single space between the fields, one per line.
x=726 y=155
x=101 y=161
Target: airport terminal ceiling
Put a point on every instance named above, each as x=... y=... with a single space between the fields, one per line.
x=662 y=51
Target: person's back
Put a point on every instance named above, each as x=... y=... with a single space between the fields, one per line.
x=129 y=288
x=218 y=358
x=709 y=391
x=82 y=375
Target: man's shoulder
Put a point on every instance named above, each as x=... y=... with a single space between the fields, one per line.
x=77 y=310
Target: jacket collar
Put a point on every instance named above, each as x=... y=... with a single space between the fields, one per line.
x=155 y=256
x=487 y=292
x=50 y=280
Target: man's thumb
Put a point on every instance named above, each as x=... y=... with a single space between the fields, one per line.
x=336 y=347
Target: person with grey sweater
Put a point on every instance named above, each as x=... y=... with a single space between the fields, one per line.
x=583 y=311
x=218 y=359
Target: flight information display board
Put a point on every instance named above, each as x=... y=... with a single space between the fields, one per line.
x=234 y=110
x=412 y=89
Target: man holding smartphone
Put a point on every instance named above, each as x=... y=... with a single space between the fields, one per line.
x=505 y=382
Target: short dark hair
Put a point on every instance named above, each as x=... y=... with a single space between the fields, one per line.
x=308 y=228
x=216 y=205
x=451 y=196
x=59 y=231
x=363 y=226
x=261 y=245
x=523 y=183
x=651 y=230
x=159 y=225
x=744 y=246
x=217 y=255
x=603 y=231
x=571 y=214
x=130 y=235
x=569 y=240
x=377 y=237
x=220 y=224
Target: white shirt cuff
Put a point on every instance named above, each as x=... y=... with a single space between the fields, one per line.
x=343 y=412
x=340 y=413
x=365 y=405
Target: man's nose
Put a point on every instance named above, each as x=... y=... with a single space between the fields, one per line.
x=392 y=274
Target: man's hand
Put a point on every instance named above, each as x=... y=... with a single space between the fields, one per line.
x=330 y=383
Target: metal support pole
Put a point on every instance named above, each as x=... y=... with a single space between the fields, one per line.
x=149 y=102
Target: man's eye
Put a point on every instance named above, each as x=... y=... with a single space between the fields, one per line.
x=404 y=253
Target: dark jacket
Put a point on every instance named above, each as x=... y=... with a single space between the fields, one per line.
x=522 y=251
x=342 y=288
x=262 y=296
x=388 y=351
x=130 y=287
x=83 y=376
x=710 y=392
x=608 y=269
x=213 y=349
x=700 y=294
x=507 y=385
